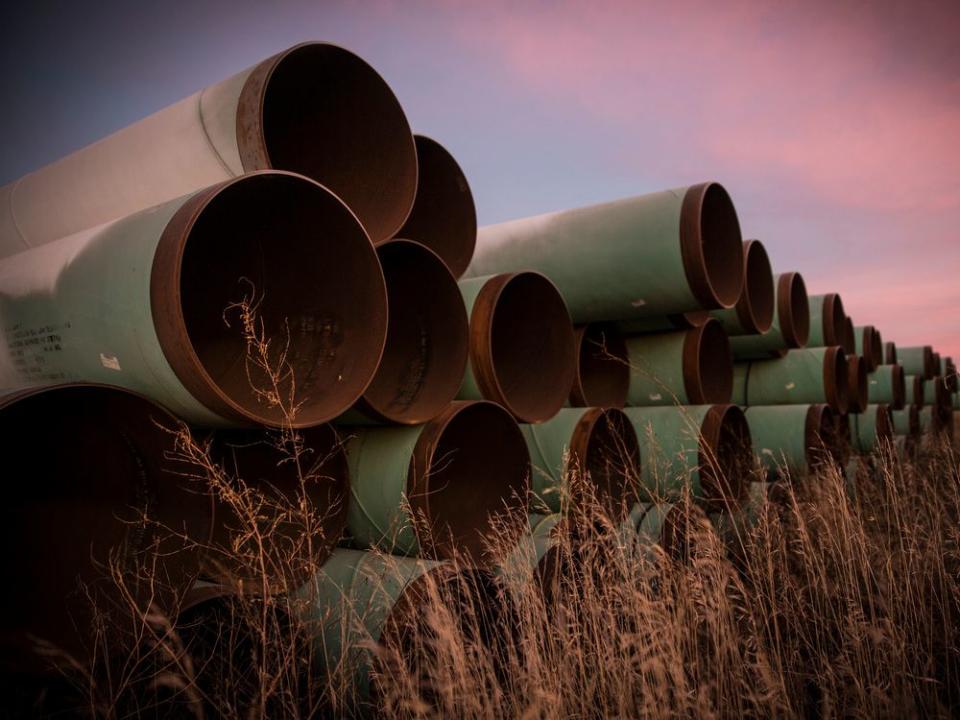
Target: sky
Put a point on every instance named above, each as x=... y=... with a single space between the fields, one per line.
x=834 y=126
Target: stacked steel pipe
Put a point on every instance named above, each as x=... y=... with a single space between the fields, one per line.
x=274 y=286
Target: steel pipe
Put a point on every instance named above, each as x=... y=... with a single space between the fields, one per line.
x=907 y=421
x=869 y=345
x=443 y=217
x=362 y=604
x=522 y=352
x=439 y=489
x=935 y=421
x=691 y=367
x=791 y=323
x=753 y=313
x=794 y=440
x=315 y=109
x=849 y=343
x=705 y=448
x=936 y=394
x=888 y=385
x=664 y=323
x=828 y=321
x=425 y=356
x=857 y=384
x=801 y=377
x=602 y=376
x=916 y=390
x=917 y=360
x=305 y=493
x=86 y=466
x=530 y=557
x=592 y=450
x=890 y=353
x=872 y=428
x=151 y=303
x=671 y=526
x=948 y=371
x=654 y=255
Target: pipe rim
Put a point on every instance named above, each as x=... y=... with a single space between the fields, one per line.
x=446 y=523
x=599 y=434
x=890 y=353
x=443 y=216
x=600 y=380
x=725 y=456
x=833 y=320
x=707 y=364
x=928 y=369
x=355 y=331
x=849 y=337
x=877 y=348
x=501 y=352
x=857 y=384
x=821 y=441
x=899 y=387
x=382 y=194
x=919 y=394
x=836 y=379
x=711 y=245
x=793 y=309
x=428 y=336
x=755 y=307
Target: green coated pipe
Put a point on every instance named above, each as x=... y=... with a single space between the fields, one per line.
x=849 y=343
x=935 y=393
x=916 y=390
x=439 y=489
x=150 y=303
x=801 y=377
x=888 y=385
x=361 y=605
x=828 y=321
x=857 y=384
x=528 y=557
x=315 y=109
x=673 y=527
x=869 y=345
x=584 y=455
x=690 y=367
x=522 y=353
x=705 y=448
x=794 y=440
x=753 y=313
x=663 y=323
x=934 y=422
x=659 y=254
x=917 y=360
x=425 y=356
x=890 y=353
x=85 y=465
x=602 y=377
x=791 y=322
x=906 y=421
x=443 y=217
x=871 y=429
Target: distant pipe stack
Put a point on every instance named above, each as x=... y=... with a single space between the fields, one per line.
x=888 y=385
x=809 y=375
x=870 y=429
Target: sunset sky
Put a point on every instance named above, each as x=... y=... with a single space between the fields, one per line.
x=835 y=126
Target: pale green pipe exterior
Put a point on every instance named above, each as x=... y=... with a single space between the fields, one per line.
x=519 y=566
x=348 y=602
x=79 y=310
x=379 y=463
x=901 y=421
x=779 y=435
x=751 y=347
x=549 y=446
x=669 y=440
x=817 y=338
x=796 y=378
x=880 y=383
x=915 y=398
x=930 y=390
x=863 y=429
x=470 y=289
x=913 y=360
x=926 y=420
x=615 y=261
x=656 y=369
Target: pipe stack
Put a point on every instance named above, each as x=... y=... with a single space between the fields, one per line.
x=270 y=305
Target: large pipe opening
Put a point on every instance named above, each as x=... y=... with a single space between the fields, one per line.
x=756 y=304
x=522 y=345
x=793 y=309
x=725 y=456
x=833 y=320
x=823 y=444
x=321 y=111
x=602 y=376
x=305 y=491
x=427 y=345
x=444 y=217
x=836 y=383
x=858 y=384
x=707 y=365
x=711 y=246
x=468 y=481
x=292 y=255
x=96 y=463
x=605 y=445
